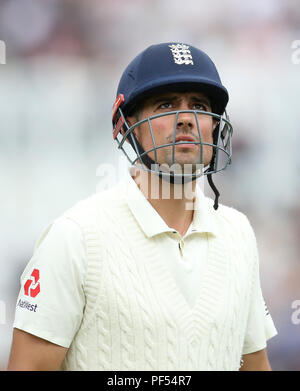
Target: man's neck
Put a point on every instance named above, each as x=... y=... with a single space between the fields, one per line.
x=173 y=202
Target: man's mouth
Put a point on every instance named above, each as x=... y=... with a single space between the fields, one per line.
x=184 y=139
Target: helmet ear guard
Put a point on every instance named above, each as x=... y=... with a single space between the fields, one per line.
x=172 y=67
x=117 y=116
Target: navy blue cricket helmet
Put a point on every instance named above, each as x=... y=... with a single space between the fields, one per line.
x=168 y=67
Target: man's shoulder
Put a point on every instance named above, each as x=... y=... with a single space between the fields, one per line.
x=69 y=225
x=96 y=203
x=234 y=226
x=230 y=217
x=229 y=212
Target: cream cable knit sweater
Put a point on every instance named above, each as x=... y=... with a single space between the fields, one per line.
x=135 y=316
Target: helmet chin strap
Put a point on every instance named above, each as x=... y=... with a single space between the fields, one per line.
x=211 y=168
x=170 y=177
x=215 y=190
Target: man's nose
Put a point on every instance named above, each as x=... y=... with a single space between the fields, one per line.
x=186 y=120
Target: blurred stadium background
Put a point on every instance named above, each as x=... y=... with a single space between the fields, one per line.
x=64 y=59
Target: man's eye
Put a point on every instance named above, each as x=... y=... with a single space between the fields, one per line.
x=200 y=106
x=166 y=105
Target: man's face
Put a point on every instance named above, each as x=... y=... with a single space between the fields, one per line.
x=186 y=128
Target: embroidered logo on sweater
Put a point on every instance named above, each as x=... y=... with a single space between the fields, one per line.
x=181 y=54
x=32 y=285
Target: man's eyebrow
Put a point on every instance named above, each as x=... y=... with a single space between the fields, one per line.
x=175 y=97
x=164 y=97
x=201 y=99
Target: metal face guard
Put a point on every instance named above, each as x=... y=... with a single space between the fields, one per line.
x=222 y=146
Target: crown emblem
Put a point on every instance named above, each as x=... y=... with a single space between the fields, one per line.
x=181 y=54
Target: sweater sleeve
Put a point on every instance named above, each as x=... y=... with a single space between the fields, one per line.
x=260 y=326
x=51 y=298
